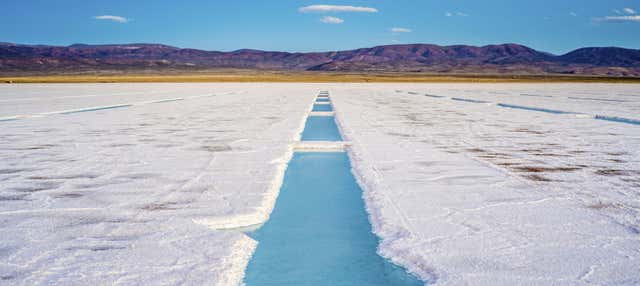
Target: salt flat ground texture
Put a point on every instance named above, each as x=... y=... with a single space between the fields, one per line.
x=467 y=192
x=130 y=195
x=131 y=184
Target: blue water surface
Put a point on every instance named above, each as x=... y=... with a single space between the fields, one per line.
x=469 y=100
x=97 y=108
x=322 y=99
x=319 y=233
x=618 y=119
x=322 y=107
x=552 y=111
x=321 y=128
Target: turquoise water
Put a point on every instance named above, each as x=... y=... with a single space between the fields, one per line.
x=319 y=232
x=321 y=128
x=618 y=119
x=322 y=107
x=322 y=99
x=534 y=108
x=97 y=108
x=469 y=100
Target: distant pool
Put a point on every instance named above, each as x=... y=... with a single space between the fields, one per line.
x=321 y=128
x=322 y=99
x=618 y=119
x=319 y=232
x=322 y=107
x=534 y=108
x=468 y=100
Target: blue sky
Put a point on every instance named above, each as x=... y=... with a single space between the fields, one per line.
x=300 y=25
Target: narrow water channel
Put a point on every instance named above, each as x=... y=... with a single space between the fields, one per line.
x=321 y=128
x=322 y=107
x=319 y=232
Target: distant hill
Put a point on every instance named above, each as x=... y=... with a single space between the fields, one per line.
x=492 y=59
x=610 y=56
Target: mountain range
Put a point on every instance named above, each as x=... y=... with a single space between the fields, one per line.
x=418 y=58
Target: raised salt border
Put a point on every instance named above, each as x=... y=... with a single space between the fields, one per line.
x=476 y=194
x=134 y=195
x=319 y=233
x=460 y=193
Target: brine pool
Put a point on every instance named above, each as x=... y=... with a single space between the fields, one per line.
x=321 y=128
x=319 y=232
x=322 y=107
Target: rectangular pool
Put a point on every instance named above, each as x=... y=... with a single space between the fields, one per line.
x=319 y=232
x=322 y=107
x=321 y=128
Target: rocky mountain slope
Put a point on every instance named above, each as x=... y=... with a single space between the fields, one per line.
x=494 y=59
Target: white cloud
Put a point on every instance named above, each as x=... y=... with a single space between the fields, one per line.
x=331 y=20
x=630 y=18
x=624 y=15
x=118 y=19
x=574 y=14
x=401 y=30
x=459 y=14
x=336 y=8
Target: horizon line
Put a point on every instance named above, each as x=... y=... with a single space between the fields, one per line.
x=311 y=51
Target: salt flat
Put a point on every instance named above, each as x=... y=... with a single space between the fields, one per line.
x=459 y=192
x=467 y=192
x=133 y=195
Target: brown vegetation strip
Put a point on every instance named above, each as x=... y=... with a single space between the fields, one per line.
x=275 y=76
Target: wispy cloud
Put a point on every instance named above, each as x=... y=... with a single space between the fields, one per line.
x=624 y=15
x=628 y=18
x=459 y=14
x=331 y=20
x=401 y=30
x=336 y=8
x=117 y=19
x=574 y=14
